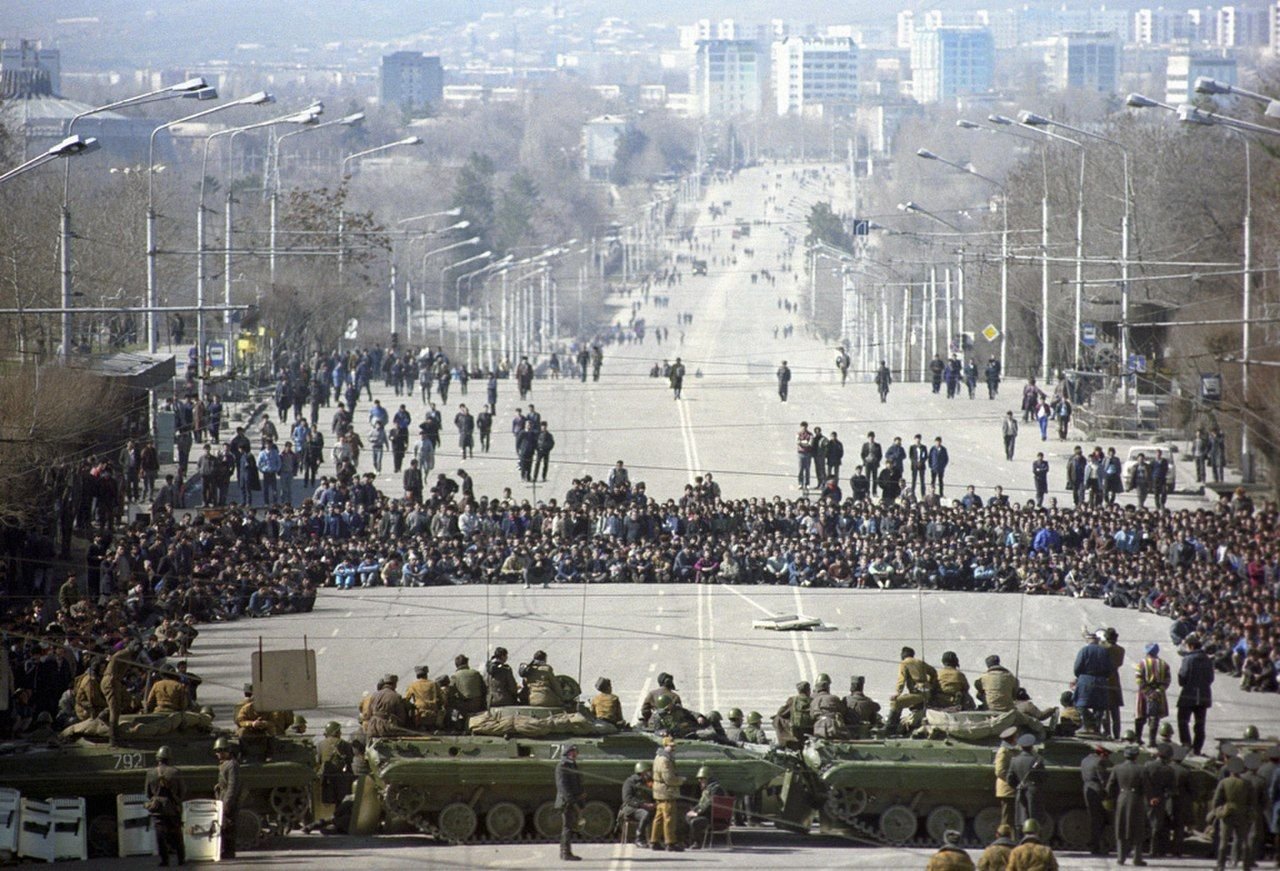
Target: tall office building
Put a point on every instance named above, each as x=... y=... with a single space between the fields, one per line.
x=1084 y=62
x=728 y=77
x=814 y=74
x=1243 y=26
x=949 y=62
x=1182 y=70
x=411 y=80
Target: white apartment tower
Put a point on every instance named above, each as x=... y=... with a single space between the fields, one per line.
x=814 y=74
x=728 y=77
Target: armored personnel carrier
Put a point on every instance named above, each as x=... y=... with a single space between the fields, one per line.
x=83 y=763
x=501 y=786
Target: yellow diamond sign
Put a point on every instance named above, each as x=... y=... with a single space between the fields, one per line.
x=990 y=333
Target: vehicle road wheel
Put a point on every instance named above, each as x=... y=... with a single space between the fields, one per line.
x=289 y=804
x=940 y=820
x=404 y=800
x=898 y=824
x=597 y=820
x=985 y=824
x=845 y=803
x=457 y=822
x=548 y=821
x=504 y=821
x=248 y=830
x=102 y=835
x=1074 y=829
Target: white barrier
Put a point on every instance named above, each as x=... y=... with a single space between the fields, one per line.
x=70 y=829
x=135 y=834
x=35 y=835
x=202 y=829
x=10 y=805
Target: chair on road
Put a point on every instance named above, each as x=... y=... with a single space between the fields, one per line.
x=721 y=822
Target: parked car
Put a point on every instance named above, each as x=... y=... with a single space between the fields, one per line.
x=1149 y=451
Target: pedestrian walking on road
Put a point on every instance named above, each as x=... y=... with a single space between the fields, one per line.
x=1009 y=429
x=1040 y=473
x=784 y=380
x=883 y=379
x=675 y=377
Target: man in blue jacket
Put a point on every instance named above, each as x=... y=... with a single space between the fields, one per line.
x=1195 y=677
x=1092 y=670
x=938 y=460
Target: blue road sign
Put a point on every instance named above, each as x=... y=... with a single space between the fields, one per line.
x=1088 y=335
x=217 y=355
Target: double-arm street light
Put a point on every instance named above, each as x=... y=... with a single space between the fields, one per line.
x=1191 y=115
x=194 y=88
x=422 y=300
x=68 y=147
x=399 y=143
x=483 y=255
x=257 y=99
x=1206 y=85
x=1004 y=248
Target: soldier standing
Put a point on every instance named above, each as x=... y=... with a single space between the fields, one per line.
x=227 y=791
x=425 y=700
x=996 y=856
x=1153 y=683
x=950 y=856
x=333 y=764
x=165 y=794
x=1005 y=793
x=917 y=681
x=1026 y=775
x=666 y=792
x=570 y=798
x=503 y=690
x=1031 y=854
x=1095 y=772
x=637 y=801
x=605 y=705
x=1127 y=788
x=1233 y=807
x=1162 y=785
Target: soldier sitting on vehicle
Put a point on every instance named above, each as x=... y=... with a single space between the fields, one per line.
x=540 y=682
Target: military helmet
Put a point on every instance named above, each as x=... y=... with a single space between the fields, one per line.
x=644 y=767
x=663 y=701
x=823 y=678
x=856 y=683
x=1130 y=737
x=1031 y=827
x=248 y=689
x=1251 y=733
x=704 y=773
x=754 y=718
x=162 y=753
x=207 y=710
x=735 y=715
x=802 y=687
x=223 y=745
x=1166 y=728
x=714 y=717
x=333 y=727
x=299 y=720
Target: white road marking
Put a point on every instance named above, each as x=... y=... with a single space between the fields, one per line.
x=644 y=691
x=711 y=642
x=321 y=651
x=334 y=633
x=804 y=637
x=702 y=651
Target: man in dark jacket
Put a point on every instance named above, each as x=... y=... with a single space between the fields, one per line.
x=569 y=799
x=1095 y=772
x=1195 y=677
x=1092 y=670
x=1127 y=787
x=502 y=680
x=871 y=455
x=637 y=801
x=543 y=444
x=938 y=460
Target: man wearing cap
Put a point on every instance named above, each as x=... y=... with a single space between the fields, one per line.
x=863 y=711
x=1005 y=793
x=425 y=700
x=637 y=801
x=1233 y=807
x=1195 y=679
x=1115 y=692
x=167 y=695
x=1092 y=670
x=666 y=686
x=917 y=682
x=1026 y=775
x=996 y=687
x=388 y=713
x=1127 y=788
x=951 y=856
x=1032 y=854
x=333 y=764
x=165 y=794
x=468 y=686
x=570 y=797
x=699 y=818
x=953 y=685
x=605 y=705
x=666 y=792
x=1162 y=784
x=503 y=690
x=1095 y=772
x=996 y=856
x=541 y=683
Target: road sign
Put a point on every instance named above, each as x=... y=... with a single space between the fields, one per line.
x=1210 y=386
x=217 y=355
x=1137 y=363
x=990 y=333
x=861 y=228
x=353 y=329
x=1088 y=335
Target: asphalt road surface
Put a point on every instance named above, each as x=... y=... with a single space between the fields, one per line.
x=731 y=423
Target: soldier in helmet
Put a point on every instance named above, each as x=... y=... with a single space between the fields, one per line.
x=862 y=710
x=333 y=764
x=1032 y=854
x=228 y=792
x=605 y=705
x=502 y=681
x=165 y=794
x=426 y=701
x=996 y=856
x=666 y=686
x=699 y=819
x=950 y=856
x=540 y=682
x=733 y=731
x=753 y=732
x=830 y=717
x=207 y=711
x=637 y=801
x=794 y=720
x=299 y=726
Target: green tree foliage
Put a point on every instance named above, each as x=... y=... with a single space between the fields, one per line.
x=473 y=193
x=825 y=226
x=517 y=213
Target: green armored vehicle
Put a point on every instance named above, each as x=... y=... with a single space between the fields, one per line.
x=81 y=763
x=912 y=790
x=501 y=786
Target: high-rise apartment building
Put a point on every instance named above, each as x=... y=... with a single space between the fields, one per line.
x=411 y=80
x=1242 y=26
x=728 y=76
x=949 y=62
x=1182 y=70
x=814 y=74
x=1084 y=61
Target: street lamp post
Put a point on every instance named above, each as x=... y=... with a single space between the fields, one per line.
x=260 y=98
x=422 y=302
x=344 y=174
x=483 y=255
